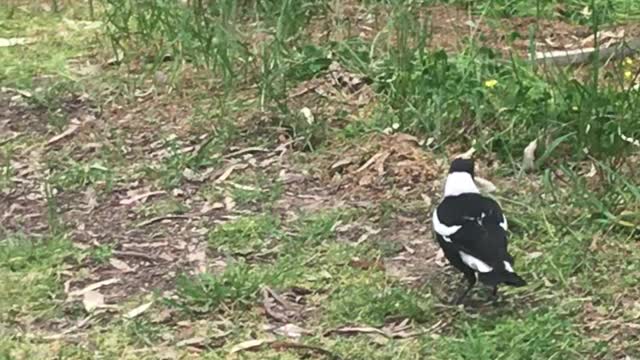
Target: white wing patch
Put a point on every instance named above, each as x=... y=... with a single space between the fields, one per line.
x=503 y=224
x=475 y=263
x=443 y=229
x=447 y=239
x=508 y=267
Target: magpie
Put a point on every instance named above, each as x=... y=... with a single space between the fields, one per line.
x=472 y=232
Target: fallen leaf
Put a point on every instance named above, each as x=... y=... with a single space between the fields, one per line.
x=485 y=185
x=23 y=93
x=426 y=199
x=341 y=163
x=139 y=310
x=372 y=160
x=249 y=345
x=92 y=300
x=197 y=341
x=534 y=254
x=199 y=257
x=178 y=192
x=467 y=155
x=245 y=151
x=592 y=171
x=92 y=200
x=6 y=42
x=69 y=131
x=308 y=115
x=192 y=176
x=94 y=286
x=529 y=155
x=82 y=24
x=120 y=265
x=206 y=208
x=228 y=172
x=162 y=316
x=229 y=204
x=440 y=260
x=349 y=330
x=291 y=330
x=366 y=264
x=163 y=218
x=140 y=197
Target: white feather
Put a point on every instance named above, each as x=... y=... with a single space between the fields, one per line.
x=443 y=229
x=475 y=263
x=447 y=239
x=459 y=183
x=503 y=224
x=508 y=267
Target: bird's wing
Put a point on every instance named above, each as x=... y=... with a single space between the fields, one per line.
x=476 y=225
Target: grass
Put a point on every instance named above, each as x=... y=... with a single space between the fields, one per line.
x=181 y=92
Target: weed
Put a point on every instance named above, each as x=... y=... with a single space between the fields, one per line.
x=371 y=300
x=102 y=253
x=29 y=275
x=178 y=164
x=236 y=286
x=255 y=189
x=245 y=234
x=78 y=176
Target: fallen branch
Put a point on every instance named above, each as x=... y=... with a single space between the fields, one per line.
x=584 y=55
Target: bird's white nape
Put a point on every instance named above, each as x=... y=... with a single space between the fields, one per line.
x=475 y=263
x=459 y=183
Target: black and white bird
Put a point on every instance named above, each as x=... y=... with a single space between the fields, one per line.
x=472 y=231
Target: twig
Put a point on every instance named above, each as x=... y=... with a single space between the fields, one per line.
x=70 y=130
x=268 y=309
x=276 y=297
x=245 y=151
x=134 y=254
x=10 y=139
x=278 y=345
x=81 y=324
x=161 y=218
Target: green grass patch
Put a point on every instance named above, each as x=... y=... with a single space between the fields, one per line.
x=30 y=283
x=537 y=335
x=245 y=234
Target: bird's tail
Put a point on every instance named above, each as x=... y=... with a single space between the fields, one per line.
x=514 y=279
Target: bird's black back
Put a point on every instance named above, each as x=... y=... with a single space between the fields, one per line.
x=480 y=235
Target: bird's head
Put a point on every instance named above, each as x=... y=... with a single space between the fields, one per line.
x=465 y=165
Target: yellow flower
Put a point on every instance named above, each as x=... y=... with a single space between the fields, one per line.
x=628 y=61
x=628 y=74
x=491 y=83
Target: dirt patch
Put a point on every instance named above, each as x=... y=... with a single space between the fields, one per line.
x=383 y=165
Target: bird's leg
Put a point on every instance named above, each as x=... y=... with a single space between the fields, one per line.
x=471 y=278
x=494 y=295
